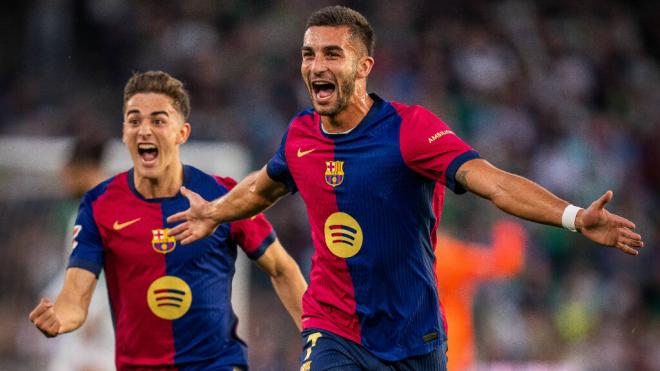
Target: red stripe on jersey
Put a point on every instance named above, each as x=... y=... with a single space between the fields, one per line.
x=141 y=337
x=331 y=295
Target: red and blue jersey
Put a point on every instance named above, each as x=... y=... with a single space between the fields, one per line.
x=170 y=303
x=374 y=197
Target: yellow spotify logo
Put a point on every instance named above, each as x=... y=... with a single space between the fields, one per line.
x=343 y=235
x=169 y=297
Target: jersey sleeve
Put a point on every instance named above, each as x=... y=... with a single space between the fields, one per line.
x=431 y=148
x=278 y=169
x=87 y=249
x=253 y=235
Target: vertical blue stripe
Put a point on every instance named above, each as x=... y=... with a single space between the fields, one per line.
x=207 y=266
x=392 y=274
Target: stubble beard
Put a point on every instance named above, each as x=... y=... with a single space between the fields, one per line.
x=344 y=94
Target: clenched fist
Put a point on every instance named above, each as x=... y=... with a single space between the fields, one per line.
x=43 y=316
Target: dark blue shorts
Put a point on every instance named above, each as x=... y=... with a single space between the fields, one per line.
x=323 y=350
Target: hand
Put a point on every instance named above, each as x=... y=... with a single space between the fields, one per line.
x=43 y=316
x=197 y=222
x=599 y=225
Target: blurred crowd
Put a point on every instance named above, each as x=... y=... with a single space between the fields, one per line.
x=563 y=92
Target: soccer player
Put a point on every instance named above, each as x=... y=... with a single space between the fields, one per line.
x=463 y=266
x=372 y=175
x=170 y=303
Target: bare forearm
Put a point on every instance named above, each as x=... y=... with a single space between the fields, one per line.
x=288 y=281
x=254 y=194
x=512 y=193
x=73 y=302
x=523 y=198
x=290 y=287
x=242 y=202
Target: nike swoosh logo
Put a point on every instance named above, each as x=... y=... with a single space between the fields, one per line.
x=119 y=226
x=303 y=153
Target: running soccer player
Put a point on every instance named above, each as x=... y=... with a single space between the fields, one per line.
x=372 y=175
x=463 y=267
x=170 y=303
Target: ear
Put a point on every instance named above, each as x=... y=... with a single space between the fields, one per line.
x=365 y=64
x=184 y=133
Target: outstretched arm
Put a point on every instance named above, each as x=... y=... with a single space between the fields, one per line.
x=70 y=308
x=254 y=194
x=285 y=275
x=523 y=198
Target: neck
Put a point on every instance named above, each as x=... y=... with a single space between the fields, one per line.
x=166 y=186
x=349 y=117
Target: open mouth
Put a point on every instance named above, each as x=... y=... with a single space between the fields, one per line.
x=147 y=152
x=323 y=90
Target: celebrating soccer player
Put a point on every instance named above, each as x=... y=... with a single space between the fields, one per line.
x=372 y=174
x=170 y=303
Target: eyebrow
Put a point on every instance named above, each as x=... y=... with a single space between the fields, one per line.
x=155 y=113
x=333 y=48
x=326 y=49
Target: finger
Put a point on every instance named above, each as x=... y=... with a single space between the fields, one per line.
x=623 y=222
x=36 y=312
x=181 y=236
x=43 y=306
x=190 y=195
x=185 y=237
x=52 y=325
x=39 y=322
x=190 y=239
x=43 y=320
x=178 y=230
x=627 y=249
x=605 y=198
x=181 y=215
x=45 y=315
x=631 y=242
x=630 y=234
x=51 y=329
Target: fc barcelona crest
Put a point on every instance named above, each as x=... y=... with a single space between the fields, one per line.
x=334 y=172
x=161 y=241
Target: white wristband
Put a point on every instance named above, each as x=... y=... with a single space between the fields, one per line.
x=568 y=217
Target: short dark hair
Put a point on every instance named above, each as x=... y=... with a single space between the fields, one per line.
x=162 y=83
x=342 y=16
